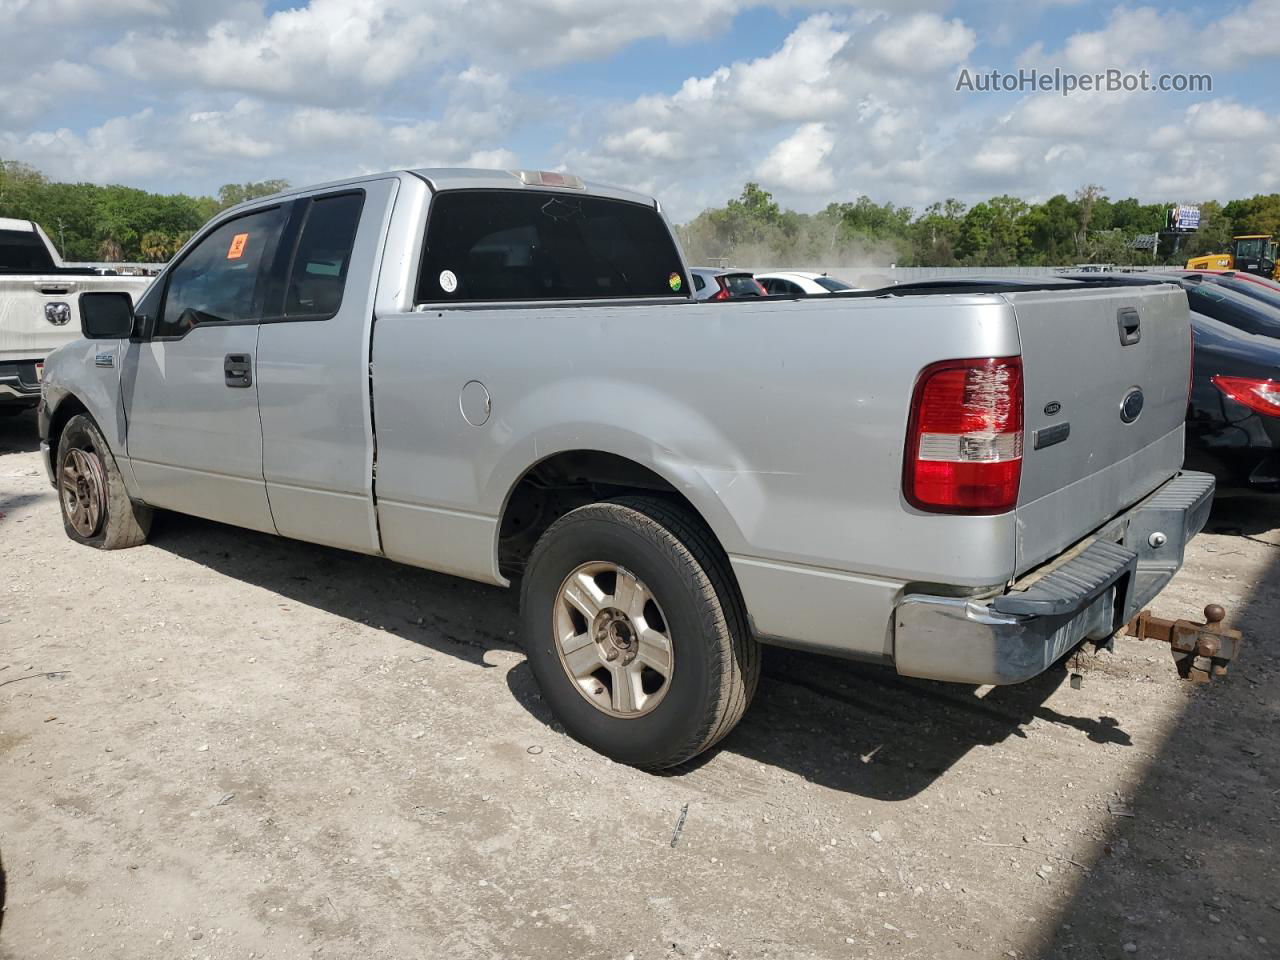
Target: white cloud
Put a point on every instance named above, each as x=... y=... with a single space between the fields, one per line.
x=851 y=95
x=1224 y=120
x=1130 y=37
x=799 y=162
x=924 y=43
x=1247 y=33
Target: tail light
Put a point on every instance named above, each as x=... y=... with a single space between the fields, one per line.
x=964 y=438
x=1260 y=396
x=760 y=287
x=723 y=292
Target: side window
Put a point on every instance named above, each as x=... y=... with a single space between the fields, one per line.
x=698 y=283
x=220 y=279
x=510 y=245
x=319 y=272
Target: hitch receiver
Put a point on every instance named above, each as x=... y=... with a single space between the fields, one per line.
x=1201 y=651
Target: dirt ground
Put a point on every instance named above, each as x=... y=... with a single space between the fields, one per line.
x=228 y=745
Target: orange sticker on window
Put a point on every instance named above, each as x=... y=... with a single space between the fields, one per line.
x=236 y=250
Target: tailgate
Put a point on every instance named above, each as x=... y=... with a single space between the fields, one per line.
x=28 y=331
x=1105 y=381
x=25 y=332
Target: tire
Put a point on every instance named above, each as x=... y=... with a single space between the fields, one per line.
x=96 y=509
x=685 y=616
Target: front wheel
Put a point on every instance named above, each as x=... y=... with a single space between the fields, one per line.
x=636 y=632
x=96 y=509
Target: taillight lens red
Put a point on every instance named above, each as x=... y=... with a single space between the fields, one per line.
x=723 y=292
x=1260 y=396
x=964 y=438
x=760 y=287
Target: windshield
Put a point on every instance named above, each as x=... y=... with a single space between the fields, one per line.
x=1252 y=249
x=1234 y=309
x=21 y=251
x=832 y=284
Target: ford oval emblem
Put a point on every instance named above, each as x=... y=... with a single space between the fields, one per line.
x=1131 y=408
x=1052 y=408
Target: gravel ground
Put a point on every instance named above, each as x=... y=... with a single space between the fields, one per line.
x=228 y=745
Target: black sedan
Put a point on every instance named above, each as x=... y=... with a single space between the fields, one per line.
x=1233 y=423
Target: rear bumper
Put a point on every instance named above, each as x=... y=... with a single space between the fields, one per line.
x=19 y=383
x=1089 y=592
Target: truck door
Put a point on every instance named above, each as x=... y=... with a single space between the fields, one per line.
x=313 y=370
x=189 y=388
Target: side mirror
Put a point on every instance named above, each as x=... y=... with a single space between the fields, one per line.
x=106 y=316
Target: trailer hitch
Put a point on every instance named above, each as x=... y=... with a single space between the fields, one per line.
x=1201 y=651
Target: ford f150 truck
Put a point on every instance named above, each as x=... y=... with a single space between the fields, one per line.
x=38 y=308
x=504 y=376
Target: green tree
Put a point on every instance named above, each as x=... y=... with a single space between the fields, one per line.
x=229 y=194
x=1052 y=231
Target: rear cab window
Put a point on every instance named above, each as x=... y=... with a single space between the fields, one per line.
x=22 y=251
x=528 y=245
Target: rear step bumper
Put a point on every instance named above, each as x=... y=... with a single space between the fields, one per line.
x=19 y=383
x=1090 y=592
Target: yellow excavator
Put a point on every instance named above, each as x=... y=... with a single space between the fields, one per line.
x=1251 y=253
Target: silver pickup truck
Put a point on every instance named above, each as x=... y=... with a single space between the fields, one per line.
x=503 y=376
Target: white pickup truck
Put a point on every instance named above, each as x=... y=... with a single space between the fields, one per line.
x=38 y=311
x=504 y=376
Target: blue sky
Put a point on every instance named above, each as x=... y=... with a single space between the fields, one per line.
x=818 y=102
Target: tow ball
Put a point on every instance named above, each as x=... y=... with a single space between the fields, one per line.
x=1201 y=651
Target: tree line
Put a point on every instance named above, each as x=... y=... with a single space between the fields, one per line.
x=89 y=222
x=754 y=230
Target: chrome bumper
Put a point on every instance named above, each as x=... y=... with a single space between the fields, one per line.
x=19 y=383
x=1089 y=593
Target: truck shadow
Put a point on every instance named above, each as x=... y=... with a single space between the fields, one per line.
x=19 y=434
x=1193 y=871
x=854 y=727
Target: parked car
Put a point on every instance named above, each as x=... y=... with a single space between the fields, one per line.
x=1259 y=288
x=710 y=283
x=449 y=368
x=796 y=283
x=1229 y=305
x=1233 y=423
x=38 y=308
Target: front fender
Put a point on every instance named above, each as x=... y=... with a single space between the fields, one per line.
x=72 y=373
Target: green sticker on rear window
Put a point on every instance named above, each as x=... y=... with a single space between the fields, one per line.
x=675 y=282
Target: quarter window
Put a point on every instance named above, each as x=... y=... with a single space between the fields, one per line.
x=319 y=271
x=487 y=245
x=220 y=280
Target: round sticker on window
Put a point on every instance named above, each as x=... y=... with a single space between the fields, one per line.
x=448 y=282
x=674 y=282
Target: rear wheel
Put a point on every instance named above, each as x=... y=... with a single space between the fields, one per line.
x=636 y=632
x=96 y=509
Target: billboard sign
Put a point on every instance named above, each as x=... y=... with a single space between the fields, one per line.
x=1185 y=216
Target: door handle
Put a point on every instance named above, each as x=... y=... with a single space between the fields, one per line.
x=54 y=289
x=237 y=370
x=1129 y=323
